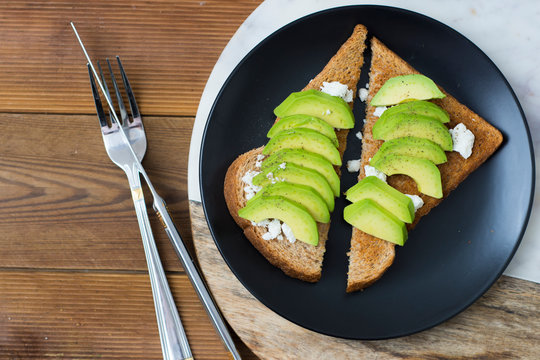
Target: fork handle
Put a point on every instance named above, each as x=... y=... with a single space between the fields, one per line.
x=174 y=343
x=194 y=275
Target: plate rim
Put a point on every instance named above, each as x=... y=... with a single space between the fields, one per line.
x=488 y=283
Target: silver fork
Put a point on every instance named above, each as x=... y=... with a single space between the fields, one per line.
x=174 y=343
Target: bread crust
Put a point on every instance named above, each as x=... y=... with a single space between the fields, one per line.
x=298 y=260
x=385 y=64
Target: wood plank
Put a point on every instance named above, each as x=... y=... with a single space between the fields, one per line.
x=66 y=205
x=95 y=315
x=168 y=49
x=502 y=324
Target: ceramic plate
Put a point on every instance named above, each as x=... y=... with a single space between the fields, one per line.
x=456 y=252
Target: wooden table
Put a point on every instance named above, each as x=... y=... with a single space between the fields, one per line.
x=73 y=276
x=73 y=281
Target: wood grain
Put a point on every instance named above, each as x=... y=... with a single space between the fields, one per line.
x=65 y=205
x=502 y=324
x=168 y=49
x=94 y=315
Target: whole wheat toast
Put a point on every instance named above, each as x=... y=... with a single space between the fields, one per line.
x=370 y=257
x=298 y=259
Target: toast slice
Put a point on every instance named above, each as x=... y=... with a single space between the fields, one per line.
x=298 y=259
x=369 y=257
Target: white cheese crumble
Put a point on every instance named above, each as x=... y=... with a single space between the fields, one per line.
x=282 y=165
x=371 y=171
x=335 y=88
x=353 y=165
x=379 y=111
x=463 y=140
x=417 y=201
x=363 y=94
x=359 y=135
x=250 y=190
x=274 y=229
x=258 y=163
x=287 y=231
x=367 y=85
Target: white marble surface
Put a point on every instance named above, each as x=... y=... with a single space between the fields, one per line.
x=508 y=32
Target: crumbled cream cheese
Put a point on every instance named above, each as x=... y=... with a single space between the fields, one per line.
x=328 y=112
x=463 y=140
x=417 y=201
x=364 y=121
x=287 y=231
x=359 y=135
x=250 y=190
x=274 y=230
x=363 y=94
x=367 y=85
x=379 y=111
x=353 y=165
x=335 y=88
x=282 y=165
x=371 y=171
x=258 y=163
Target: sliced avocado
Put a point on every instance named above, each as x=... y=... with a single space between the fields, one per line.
x=297 y=217
x=332 y=109
x=426 y=175
x=304 y=121
x=405 y=88
x=306 y=159
x=402 y=125
x=412 y=146
x=375 y=220
x=306 y=139
x=419 y=107
x=371 y=187
x=301 y=194
x=297 y=175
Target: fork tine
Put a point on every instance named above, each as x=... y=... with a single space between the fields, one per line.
x=123 y=112
x=104 y=82
x=107 y=93
x=129 y=92
x=97 y=100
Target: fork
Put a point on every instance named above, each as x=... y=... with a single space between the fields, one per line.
x=174 y=343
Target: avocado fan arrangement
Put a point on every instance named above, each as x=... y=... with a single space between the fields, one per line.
x=283 y=193
x=298 y=181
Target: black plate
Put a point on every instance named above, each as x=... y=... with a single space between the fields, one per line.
x=453 y=256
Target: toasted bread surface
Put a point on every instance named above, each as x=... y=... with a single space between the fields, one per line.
x=298 y=259
x=370 y=257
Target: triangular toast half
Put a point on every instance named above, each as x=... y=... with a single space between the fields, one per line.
x=298 y=259
x=369 y=257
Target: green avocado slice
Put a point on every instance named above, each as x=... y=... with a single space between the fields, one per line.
x=301 y=194
x=426 y=175
x=375 y=220
x=371 y=187
x=405 y=88
x=332 y=109
x=412 y=146
x=402 y=125
x=308 y=160
x=297 y=175
x=295 y=216
x=420 y=107
x=304 y=121
x=306 y=139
